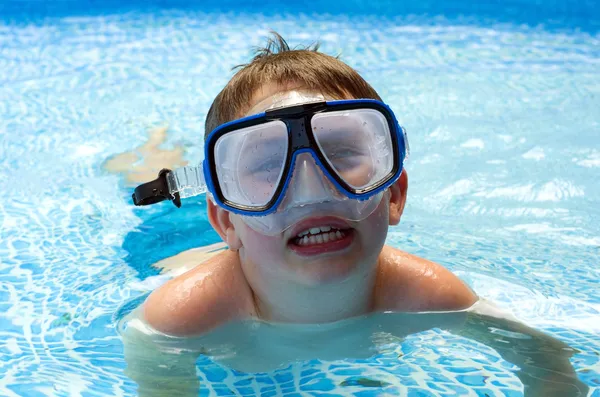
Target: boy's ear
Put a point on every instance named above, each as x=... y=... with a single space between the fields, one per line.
x=398 y=198
x=220 y=221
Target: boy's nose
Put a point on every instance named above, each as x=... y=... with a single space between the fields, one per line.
x=308 y=184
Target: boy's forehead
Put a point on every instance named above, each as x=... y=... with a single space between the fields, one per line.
x=270 y=97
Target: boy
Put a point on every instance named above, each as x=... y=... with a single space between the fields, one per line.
x=305 y=174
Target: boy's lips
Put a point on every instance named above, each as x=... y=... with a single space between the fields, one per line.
x=319 y=235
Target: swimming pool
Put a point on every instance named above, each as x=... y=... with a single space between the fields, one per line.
x=501 y=106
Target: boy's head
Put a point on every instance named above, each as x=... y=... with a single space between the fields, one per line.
x=277 y=68
x=343 y=247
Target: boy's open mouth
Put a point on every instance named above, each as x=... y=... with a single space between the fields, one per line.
x=321 y=237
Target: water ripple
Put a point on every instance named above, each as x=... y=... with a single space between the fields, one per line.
x=502 y=120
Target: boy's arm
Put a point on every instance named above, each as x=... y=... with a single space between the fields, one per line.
x=545 y=369
x=203 y=298
x=158 y=369
x=409 y=283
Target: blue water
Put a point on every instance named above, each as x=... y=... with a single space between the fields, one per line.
x=501 y=105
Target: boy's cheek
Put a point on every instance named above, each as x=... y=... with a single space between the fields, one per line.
x=258 y=242
x=374 y=228
x=379 y=219
x=256 y=245
x=261 y=258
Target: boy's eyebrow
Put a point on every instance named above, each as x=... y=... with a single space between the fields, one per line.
x=339 y=132
x=266 y=141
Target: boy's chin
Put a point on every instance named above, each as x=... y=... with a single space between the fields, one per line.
x=325 y=272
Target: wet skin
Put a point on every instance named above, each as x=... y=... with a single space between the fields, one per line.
x=277 y=278
x=274 y=278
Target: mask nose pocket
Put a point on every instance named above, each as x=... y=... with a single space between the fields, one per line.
x=308 y=184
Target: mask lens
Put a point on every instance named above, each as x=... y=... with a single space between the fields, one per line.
x=251 y=162
x=357 y=144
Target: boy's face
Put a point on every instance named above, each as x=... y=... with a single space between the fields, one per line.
x=272 y=261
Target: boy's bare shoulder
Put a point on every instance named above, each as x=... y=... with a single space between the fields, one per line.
x=211 y=294
x=406 y=282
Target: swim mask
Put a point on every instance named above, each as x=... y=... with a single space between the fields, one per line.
x=333 y=158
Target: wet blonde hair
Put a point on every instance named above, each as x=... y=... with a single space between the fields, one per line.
x=277 y=63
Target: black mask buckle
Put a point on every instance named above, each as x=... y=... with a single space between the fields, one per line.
x=155 y=191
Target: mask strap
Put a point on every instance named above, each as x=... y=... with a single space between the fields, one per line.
x=175 y=185
x=187 y=182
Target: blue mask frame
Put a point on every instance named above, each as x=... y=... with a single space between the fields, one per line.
x=301 y=140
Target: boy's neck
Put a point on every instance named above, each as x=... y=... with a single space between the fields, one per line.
x=309 y=304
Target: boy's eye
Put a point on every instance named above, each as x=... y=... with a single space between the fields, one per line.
x=345 y=156
x=344 y=153
x=262 y=161
x=264 y=167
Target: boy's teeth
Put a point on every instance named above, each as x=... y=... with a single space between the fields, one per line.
x=315 y=230
x=320 y=238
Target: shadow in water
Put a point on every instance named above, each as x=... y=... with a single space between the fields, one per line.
x=166 y=231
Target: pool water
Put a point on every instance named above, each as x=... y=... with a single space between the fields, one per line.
x=501 y=106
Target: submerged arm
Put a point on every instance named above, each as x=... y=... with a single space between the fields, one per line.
x=159 y=370
x=545 y=369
